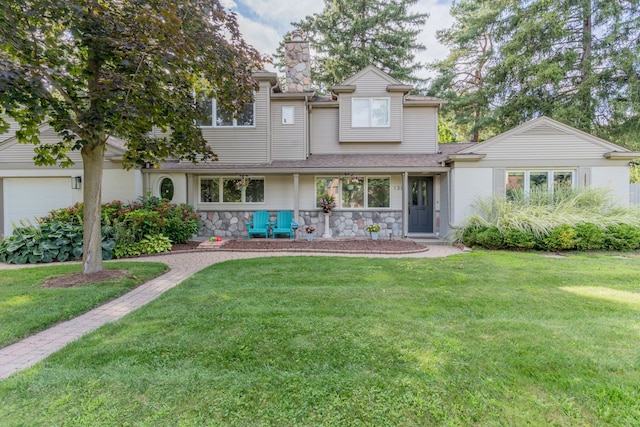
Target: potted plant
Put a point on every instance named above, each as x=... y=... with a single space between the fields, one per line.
x=352 y=182
x=374 y=229
x=243 y=182
x=309 y=229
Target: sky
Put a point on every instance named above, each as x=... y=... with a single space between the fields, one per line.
x=264 y=23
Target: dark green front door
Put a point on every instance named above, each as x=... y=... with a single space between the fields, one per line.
x=421 y=204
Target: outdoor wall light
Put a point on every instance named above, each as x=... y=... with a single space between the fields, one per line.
x=76 y=182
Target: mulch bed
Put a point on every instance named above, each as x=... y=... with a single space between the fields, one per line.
x=317 y=245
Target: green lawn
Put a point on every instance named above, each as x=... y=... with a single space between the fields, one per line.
x=487 y=338
x=26 y=307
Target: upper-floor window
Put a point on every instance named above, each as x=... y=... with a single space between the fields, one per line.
x=216 y=116
x=370 y=112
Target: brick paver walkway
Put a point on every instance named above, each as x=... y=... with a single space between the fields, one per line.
x=33 y=349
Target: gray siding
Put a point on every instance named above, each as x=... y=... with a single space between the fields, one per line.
x=288 y=141
x=371 y=85
x=14 y=155
x=420 y=134
x=324 y=131
x=240 y=144
x=15 y=152
x=13 y=127
x=420 y=130
x=543 y=143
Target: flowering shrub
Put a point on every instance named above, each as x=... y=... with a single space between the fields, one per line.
x=309 y=228
x=327 y=204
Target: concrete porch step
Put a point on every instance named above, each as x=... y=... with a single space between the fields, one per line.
x=428 y=239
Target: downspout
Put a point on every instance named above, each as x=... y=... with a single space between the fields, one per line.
x=308 y=118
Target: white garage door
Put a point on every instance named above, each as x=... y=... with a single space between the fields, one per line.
x=26 y=198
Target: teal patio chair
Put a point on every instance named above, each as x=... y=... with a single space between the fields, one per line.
x=283 y=224
x=259 y=226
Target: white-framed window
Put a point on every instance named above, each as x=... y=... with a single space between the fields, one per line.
x=288 y=115
x=370 y=112
x=223 y=189
x=526 y=181
x=371 y=192
x=216 y=116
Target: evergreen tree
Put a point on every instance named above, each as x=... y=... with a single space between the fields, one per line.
x=575 y=61
x=348 y=35
x=461 y=77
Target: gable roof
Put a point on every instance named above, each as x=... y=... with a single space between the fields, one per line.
x=116 y=147
x=370 y=69
x=541 y=123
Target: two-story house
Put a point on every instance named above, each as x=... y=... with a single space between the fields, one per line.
x=370 y=145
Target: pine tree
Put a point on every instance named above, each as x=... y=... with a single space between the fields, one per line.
x=462 y=76
x=575 y=61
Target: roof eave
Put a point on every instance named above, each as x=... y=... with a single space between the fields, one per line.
x=618 y=155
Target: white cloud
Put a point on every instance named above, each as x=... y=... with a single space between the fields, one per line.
x=264 y=23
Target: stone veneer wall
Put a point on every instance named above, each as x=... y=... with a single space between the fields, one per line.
x=297 y=64
x=342 y=224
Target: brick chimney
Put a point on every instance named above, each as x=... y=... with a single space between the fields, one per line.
x=297 y=66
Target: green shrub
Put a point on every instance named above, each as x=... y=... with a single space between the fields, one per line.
x=562 y=238
x=520 y=240
x=181 y=223
x=469 y=235
x=48 y=242
x=70 y=215
x=622 y=237
x=589 y=237
x=150 y=244
x=155 y=244
x=141 y=222
x=491 y=238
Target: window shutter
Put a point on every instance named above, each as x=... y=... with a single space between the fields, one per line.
x=499 y=182
x=584 y=177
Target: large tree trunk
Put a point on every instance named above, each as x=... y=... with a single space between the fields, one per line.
x=93 y=158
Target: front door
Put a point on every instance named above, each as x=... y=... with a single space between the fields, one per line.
x=421 y=204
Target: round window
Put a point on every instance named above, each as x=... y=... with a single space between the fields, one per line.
x=166 y=189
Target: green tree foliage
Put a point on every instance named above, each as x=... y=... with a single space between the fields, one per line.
x=96 y=68
x=575 y=61
x=461 y=76
x=349 y=35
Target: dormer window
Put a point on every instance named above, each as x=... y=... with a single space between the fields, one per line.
x=216 y=116
x=370 y=112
